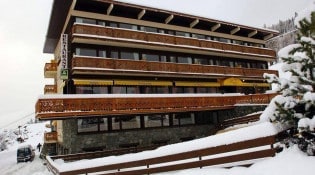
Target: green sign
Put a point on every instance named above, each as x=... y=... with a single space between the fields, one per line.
x=64 y=74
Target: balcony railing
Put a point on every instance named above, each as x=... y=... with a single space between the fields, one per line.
x=50 y=137
x=50 y=89
x=110 y=104
x=169 y=39
x=86 y=63
x=50 y=70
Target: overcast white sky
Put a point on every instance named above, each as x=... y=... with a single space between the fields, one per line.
x=23 y=27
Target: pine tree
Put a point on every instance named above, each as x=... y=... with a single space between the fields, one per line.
x=296 y=104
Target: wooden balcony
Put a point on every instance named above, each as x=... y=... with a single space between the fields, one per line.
x=50 y=70
x=92 y=65
x=116 y=34
x=50 y=89
x=50 y=137
x=68 y=106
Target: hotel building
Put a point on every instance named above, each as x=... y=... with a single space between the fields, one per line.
x=127 y=75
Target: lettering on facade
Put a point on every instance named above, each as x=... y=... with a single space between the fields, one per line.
x=64 y=56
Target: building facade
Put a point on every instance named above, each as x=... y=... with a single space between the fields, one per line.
x=128 y=75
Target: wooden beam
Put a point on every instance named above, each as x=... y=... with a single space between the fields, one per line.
x=253 y=33
x=235 y=30
x=215 y=27
x=169 y=19
x=268 y=36
x=140 y=15
x=110 y=8
x=195 y=22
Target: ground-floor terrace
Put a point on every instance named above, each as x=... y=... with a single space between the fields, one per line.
x=83 y=123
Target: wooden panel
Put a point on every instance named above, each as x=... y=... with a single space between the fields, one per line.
x=66 y=107
x=168 y=39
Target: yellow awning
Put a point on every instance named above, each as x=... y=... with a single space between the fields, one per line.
x=83 y=82
x=142 y=83
x=197 y=84
x=238 y=82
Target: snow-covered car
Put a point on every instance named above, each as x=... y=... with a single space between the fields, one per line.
x=25 y=153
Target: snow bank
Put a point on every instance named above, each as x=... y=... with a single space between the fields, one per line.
x=260 y=130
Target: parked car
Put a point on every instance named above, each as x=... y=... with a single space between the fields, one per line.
x=25 y=153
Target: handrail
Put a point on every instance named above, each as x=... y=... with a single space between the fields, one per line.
x=167 y=39
x=46 y=108
x=165 y=67
x=193 y=159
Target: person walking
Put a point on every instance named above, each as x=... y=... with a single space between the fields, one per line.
x=39 y=146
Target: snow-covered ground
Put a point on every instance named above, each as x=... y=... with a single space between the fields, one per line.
x=290 y=162
x=33 y=134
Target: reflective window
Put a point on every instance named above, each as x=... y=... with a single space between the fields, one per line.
x=198 y=36
x=128 y=26
x=149 y=29
x=150 y=57
x=114 y=54
x=203 y=61
x=91 y=89
x=184 y=34
x=102 y=53
x=85 y=20
x=92 y=124
x=85 y=52
x=157 y=120
x=184 y=60
x=125 y=122
x=129 y=55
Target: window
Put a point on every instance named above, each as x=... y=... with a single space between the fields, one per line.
x=125 y=90
x=85 y=52
x=129 y=55
x=198 y=36
x=203 y=61
x=102 y=53
x=173 y=59
x=92 y=124
x=184 y=60
x=183 y=119
x=101 y=23
x=125 y=122
x=91 y=89
x=149 y=29
x=128 y=26
x=85 y=20
x=184 y=34
x=150 y=57
x=114 y=54
x=157 y=120
x=113 y=24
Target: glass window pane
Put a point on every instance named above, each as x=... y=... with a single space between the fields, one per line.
x=119 y=90
x=103 y=124
x=113 y=24
x=102 y=53
x=153 y=121
x=88 y=125
x=100 y=90
x=129 y=55
x=101 y=23
x=84 y=90
x=128 y=26
x=198 y=36
x=114 y=54
x=86 y=52
x=150 y=57
x=187 y=119
x=203 y=61
x=85 y=20
x=130 y=122
x=184 y=60
x=116 y=123
x=165 y=120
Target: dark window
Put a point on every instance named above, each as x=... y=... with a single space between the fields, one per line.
x=129 y=55
x=86 y=52
x=92 y=125
x=150 y=57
